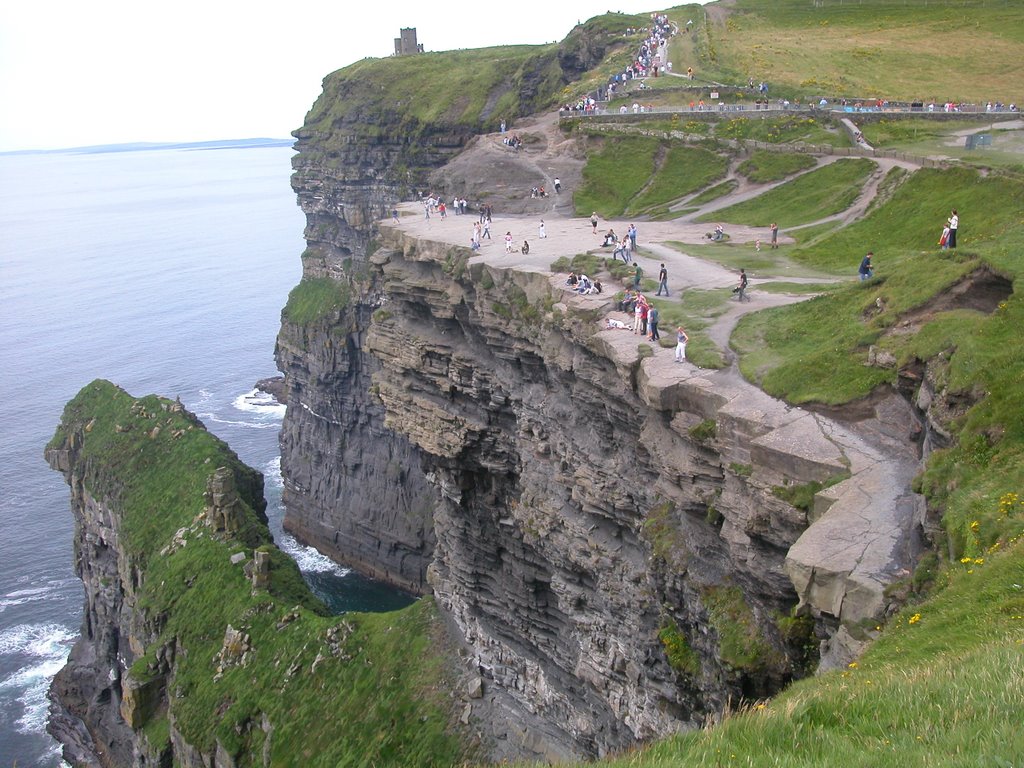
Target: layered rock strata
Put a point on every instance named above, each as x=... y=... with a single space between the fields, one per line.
x=611 y=544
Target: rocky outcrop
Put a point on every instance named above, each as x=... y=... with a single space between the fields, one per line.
x=201 y=646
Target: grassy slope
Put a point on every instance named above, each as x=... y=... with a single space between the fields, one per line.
x=812 y=196
x=897 y=49
x=381 y=678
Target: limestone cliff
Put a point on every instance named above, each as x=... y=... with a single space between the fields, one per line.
x=354 y=489
x=611 y=541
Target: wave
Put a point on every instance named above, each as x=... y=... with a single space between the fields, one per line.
x=47 y=647
x=39 y=640
x=310 y=560
x=32 y=594
x=272 y=472
x=260 y=403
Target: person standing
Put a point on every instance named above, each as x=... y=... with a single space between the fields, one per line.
x=508 y=242
x=652 y=322
x=637 y=309
x=663 y=280
x=542 y=234
x=558 y=185
x=593 y=221
x=954 y=222
x=487 y=231
x=639 y=273
x=775 y=235
x=394 y=214
x=865 y=271
x=632 y=236
x=681 y=339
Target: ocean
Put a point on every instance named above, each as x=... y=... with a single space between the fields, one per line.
x=164 y=271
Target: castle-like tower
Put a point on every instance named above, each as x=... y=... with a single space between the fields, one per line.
x=406 y=44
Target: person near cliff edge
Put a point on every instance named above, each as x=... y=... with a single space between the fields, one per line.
x=681 y=339
x=652 y=322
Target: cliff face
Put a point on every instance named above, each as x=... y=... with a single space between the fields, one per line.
x=354 y=489
x=610 y=541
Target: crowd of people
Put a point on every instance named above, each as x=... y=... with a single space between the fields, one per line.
x=648 y=62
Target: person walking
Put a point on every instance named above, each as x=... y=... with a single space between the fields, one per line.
x=542 y=234
x=866 y=270
x=593 y=221
x=558 y=185
x=662 y=281
x=681 y=339
x=954 y=223
x=636 y=278
x=741 y=289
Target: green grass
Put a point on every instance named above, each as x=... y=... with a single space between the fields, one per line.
x=763 y=166
x=614 y=174
x=740 y=643
x=683 y=171
x=899 y=49
x=379 y=674
x=829 y=190
x=450 y=87
x=315 y=298
x=713 y=193
x=779 y=130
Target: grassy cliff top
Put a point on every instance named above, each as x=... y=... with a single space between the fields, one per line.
x=148 y=461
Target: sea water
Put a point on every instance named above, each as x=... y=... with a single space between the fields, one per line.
x=164 y=271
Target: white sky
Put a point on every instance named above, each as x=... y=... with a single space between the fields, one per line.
x=80 y=72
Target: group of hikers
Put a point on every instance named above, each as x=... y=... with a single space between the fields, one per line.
x=649 y=60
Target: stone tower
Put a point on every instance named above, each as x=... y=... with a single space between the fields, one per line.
x=406 y=44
